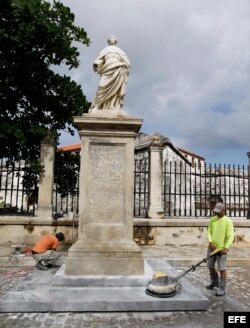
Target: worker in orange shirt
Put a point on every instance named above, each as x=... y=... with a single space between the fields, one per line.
x=44 y=252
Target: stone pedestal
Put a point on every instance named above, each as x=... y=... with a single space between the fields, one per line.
x=105 y=243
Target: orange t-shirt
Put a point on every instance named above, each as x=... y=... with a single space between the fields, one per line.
x=46 y=243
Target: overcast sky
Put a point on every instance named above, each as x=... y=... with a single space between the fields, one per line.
x=190 y=69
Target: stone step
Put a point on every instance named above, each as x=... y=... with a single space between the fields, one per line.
x=44 y=297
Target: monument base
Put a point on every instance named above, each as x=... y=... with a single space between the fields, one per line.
x=105 y=243
x=106 y=258
x=56 y=292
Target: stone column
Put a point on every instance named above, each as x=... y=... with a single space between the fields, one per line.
x=46 y=179
x=248 y=212
x=156 y=210
x=105 y=243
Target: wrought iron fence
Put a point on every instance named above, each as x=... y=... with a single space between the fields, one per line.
x=194 y=190
x=141 y=187
x=188 y=191
x=66 y=182
x=15 y=199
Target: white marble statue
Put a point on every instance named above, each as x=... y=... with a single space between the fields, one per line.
x=113 y=66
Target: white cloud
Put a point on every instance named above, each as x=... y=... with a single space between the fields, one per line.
x=190 y=74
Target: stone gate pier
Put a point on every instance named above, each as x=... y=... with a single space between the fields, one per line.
x=105 y=243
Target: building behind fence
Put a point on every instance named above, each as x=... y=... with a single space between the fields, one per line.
x=194 y=190
x=188 y=187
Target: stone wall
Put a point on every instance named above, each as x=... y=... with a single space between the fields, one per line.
x=182 y=231
x=28 y=230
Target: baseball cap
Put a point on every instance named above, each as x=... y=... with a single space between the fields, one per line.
x=219 y=207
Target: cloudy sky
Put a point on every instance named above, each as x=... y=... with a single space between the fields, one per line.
x=190 y=69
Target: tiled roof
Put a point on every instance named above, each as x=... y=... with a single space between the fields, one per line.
x=144 y=141
x=190 y=153
x=72 y=147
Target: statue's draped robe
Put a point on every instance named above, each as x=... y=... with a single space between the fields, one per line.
x=113 y=66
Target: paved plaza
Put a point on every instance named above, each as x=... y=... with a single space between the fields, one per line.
x=236 y=299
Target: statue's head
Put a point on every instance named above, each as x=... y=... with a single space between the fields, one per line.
x=112 y=40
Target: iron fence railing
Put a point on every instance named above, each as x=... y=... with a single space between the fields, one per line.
x=194 y=190
x=187 y=191
x=66 y=182
x=15 y=199
x=141 y=187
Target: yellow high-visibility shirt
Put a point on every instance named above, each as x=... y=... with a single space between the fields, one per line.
x=221 y=231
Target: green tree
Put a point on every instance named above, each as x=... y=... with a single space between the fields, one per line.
x=67 y=168
x=36 y=36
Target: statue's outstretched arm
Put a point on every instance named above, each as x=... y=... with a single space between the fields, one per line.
x=97 y=63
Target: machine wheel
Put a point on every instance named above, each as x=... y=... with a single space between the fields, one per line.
x=150 y=293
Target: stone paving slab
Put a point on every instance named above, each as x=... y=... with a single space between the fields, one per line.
x=236 y=299
x=35 y=294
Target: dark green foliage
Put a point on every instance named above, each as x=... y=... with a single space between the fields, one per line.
x=30 y=179
x=67 y=167
x=34 y=36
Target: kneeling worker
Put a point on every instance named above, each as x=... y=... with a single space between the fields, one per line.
x=44 y=252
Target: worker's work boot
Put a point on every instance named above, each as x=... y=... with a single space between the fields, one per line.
x=214 y=281
x=41 y=266
x=221 y=290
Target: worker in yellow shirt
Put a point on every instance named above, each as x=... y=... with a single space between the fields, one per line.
x=220 y=236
